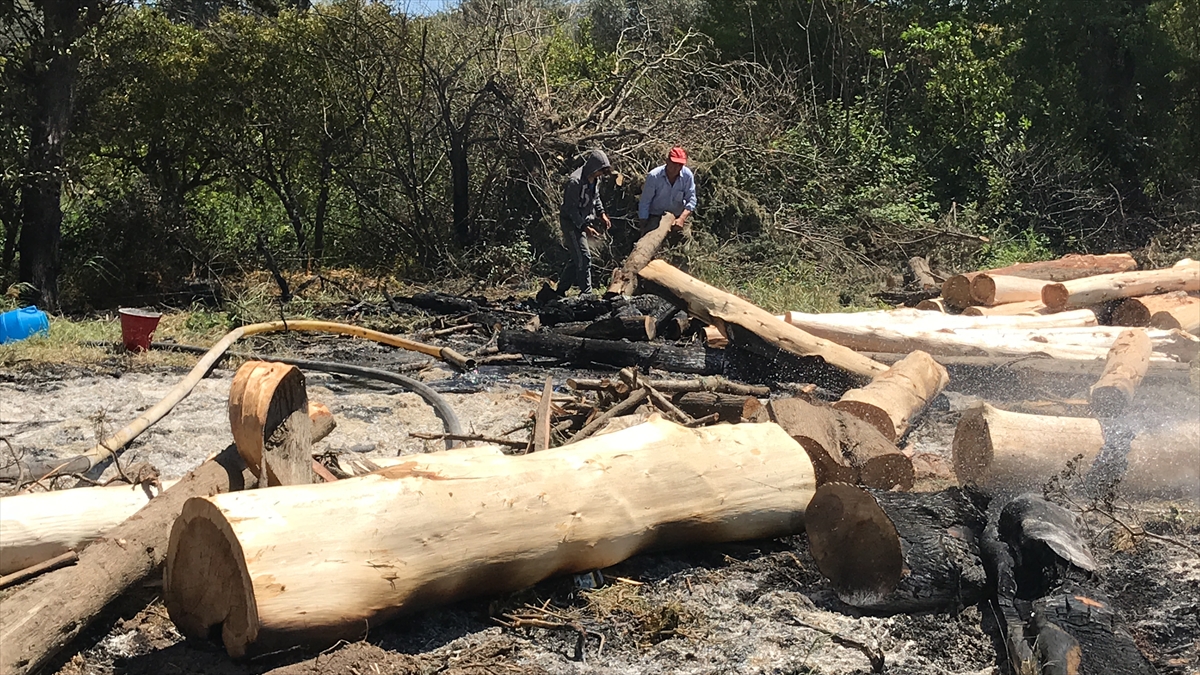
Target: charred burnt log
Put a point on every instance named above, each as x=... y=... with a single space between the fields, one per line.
x=892 y=552
x=1053 y=619
x=697 y=360
x=638 y=328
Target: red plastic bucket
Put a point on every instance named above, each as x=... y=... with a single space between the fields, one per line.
x=137 y=325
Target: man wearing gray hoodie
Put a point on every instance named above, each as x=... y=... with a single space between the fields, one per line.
x=578 y=217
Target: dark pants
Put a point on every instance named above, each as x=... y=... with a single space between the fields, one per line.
x=578 y=271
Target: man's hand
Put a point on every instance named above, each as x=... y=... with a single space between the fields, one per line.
x=591 y=231
x=679 y=222
x=606 y=221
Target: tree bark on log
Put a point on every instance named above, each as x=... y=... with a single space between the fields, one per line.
x=1166 y=311
x=40 y=618
x=1184 y=276
x=956 y=290
x=714 y=305
x=730 y=408
x=898 y=395
x=998 y=289
x=715 y=384
x=842 y=447
x=416 y=539
x=898 y=552
x=998 y=449
x=699 y=360
x=624 y=278
x=638 y=328
x=1127 y=363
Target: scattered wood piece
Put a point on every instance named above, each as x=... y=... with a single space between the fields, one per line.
x=663 y=403
x=554 y=512
x=60 y=560
x=711 y=304
x=39 y=618
x=612 y=352
x=1184 y=276
x=636 y=398
x=713 y=383
x=541 y=419
x=932 y=305
x=898 y=552
x=843 y=448
x=1025 y=308
x=732 y=408
x=898 y=395
x=922 y=275
x=624 y=278
x=432 y=436
x=1127 y=363
x=715 y=337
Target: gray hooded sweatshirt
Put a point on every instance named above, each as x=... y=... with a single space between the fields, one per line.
x=581 y=199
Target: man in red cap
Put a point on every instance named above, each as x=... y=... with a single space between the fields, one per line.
x=670 y=188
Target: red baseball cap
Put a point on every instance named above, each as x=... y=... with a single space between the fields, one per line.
x=678 y=155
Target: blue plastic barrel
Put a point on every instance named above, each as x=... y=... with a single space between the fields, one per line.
x=22 y=323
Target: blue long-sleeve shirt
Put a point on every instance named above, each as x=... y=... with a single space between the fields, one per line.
x=659 y=196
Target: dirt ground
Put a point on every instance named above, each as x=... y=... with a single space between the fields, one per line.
x=753 y=607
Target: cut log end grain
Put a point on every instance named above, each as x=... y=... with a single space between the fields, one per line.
x=855 y=544
x=956 y=290
x=1127 y=363
x=973 y=449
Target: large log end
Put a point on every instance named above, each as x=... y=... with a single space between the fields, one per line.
x=972 y=446
x=207 y=588
x=855 y=544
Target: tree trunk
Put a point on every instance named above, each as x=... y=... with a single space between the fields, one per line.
x=413 y=539
x=842 y=447
x=460 y=185
x=714 y=305
x=910 y=319
x=40 y=618
x=612 y=353
x=1053 y=619
x=1166 y=311
x=730 y=408
x=624 y=278
x=1020 y=339
x=898 y=395
x=1015 y=451
x=956 y=290
x=1124 y=369
x=1184 y=276
x=999 y=289
x=705 y=384
x=1025 y=308
x=321 y=212
x=898 y=552
x=634 y=328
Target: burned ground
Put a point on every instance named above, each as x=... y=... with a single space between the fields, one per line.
x=753 y=607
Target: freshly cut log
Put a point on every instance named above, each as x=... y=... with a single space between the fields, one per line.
x=1184 y=276
x=541 y=419
x=1127 y=363
x=613 y=353
x=1067 y=342
x=843 y=448
x=956 y=290
x=715 y=337
x=998 y=289
x=1026 y=308
x=1016 y=451
x=730 y=408
x=898 y=395
x=268 y=413
x=624 y=278
x=415 y=539
x=898 y=552
x=712 y=305
x=38 y=619
x=1037 y=551
x=922 y=275
x=932 y=305
x=1168 y=310
x=912 y=319
x=38 y=526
